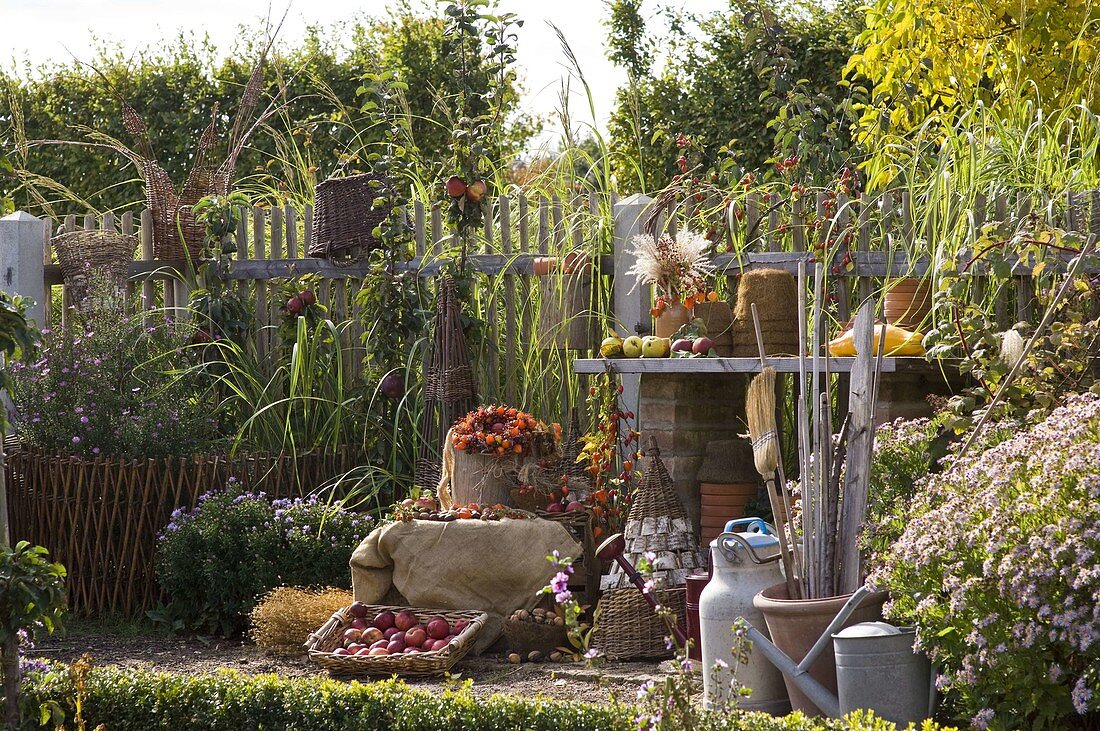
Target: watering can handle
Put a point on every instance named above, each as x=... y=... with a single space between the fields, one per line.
x=755 y=525
x=724 y=537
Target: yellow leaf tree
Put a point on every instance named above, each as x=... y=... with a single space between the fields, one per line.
x=928 y=60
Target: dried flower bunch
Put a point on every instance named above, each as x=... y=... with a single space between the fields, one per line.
x=497 y=429
x=678 y=266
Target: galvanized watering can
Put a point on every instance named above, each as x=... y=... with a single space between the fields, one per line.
x=877 y=668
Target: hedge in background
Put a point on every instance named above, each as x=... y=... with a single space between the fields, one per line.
x=138 y=700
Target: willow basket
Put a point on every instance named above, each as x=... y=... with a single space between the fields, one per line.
x=326 y=639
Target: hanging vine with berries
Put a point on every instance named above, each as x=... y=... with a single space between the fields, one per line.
x=610 y=452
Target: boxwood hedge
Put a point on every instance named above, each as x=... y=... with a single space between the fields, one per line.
x=139 y=700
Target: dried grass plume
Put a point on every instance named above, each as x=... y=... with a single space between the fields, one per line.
x=284 y=618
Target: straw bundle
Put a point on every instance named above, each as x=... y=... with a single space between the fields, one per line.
x=285 y=617
x=774 y=293
x=760 y=410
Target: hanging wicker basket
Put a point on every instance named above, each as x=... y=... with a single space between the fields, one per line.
x=103 y=253
x=344 y=217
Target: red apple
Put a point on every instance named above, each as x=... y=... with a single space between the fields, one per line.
x=460 y=625
x=355 y=647
x=396 y=646
x=341 y=651
x=392 y=386
x=412 y=651
x=365 y=651
x=379 y=643
x=455 y=186
x=555 y=507
x=307 y=297
x=475 y=191
x=438 y=628
x=682 y=345
x=359 y=624
x=405 y=620
x=352 y=635
x=702 y=345
x=384 y=620
x=378 y=652
x=415 y=637
x=373 y=634
x=574 y=506
x=358 y=610
x=391 y=633
x=294 y=305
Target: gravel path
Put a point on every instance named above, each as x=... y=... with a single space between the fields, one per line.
x=130 y=648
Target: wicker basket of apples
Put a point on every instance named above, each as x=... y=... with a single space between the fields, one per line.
x=373 y=640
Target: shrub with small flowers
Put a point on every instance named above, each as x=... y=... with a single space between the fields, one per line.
x=577 y=632
x=217 y=558
x=110 y=385
x=998 y=566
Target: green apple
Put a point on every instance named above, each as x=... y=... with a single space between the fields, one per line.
x=632 y=347
x=654 y=347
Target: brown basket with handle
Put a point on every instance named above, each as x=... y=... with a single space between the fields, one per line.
x=344 y=217
x=104 y=253
x=627 y=628
x=321 y=644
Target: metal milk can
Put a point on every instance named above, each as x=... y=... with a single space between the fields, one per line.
x=745 y=559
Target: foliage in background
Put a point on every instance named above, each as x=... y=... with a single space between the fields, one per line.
x=743 y=84
x=935 y=59
x=1063 y=360
x=218 y=558
x=18 y=339
x=214 y=297
x=107 y=386
x=32 y=602
x=174 y=88
x=998 y=566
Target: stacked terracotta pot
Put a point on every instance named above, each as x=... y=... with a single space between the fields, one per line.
x=728 y=482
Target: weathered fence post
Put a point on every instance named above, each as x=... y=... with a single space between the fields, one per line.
x=21 y=263
x=631 y=308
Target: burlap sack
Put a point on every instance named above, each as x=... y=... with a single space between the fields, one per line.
x=493 y=566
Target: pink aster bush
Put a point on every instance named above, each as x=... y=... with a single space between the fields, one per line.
x=999 y=568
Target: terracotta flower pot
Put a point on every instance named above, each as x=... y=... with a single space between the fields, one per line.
x=795 y=624
x=671 y=320
x=908 y=302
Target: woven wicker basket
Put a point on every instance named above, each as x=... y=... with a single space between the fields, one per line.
x=627 y=628
x=344 y=216
x=326 y=639
x=524 y=637
x=625 y=625
x=105 y=253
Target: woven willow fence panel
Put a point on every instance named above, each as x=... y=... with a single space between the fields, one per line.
x=100 y=518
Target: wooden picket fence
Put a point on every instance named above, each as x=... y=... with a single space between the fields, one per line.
x=271 y=243
x=101 y=517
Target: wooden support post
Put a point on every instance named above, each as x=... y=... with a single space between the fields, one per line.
x=631 y=302
x=857 y=472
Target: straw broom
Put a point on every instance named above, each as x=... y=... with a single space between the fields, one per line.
x=760 y=413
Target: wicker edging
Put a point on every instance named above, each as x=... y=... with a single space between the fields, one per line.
x=322 y=642
x=101 y=517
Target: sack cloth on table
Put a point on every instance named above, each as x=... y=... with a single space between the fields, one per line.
x=493 y=566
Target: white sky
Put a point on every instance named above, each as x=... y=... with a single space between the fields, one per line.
x=44 y=30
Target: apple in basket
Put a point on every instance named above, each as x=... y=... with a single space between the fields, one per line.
x=378 y=651
x=405 y=620
x=396 y=645
x=391 y=633
x=381 y=643
x=359 y=624
x=438 y=628
x=460 y=625
x=356 y=647
x=415 y=637
x=384 y=620
x=342 y=651
x=358 y=610
x=352 y=635
x=372 y=634
x=574 y=506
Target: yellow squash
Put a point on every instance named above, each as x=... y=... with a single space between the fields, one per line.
x=898 y=342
